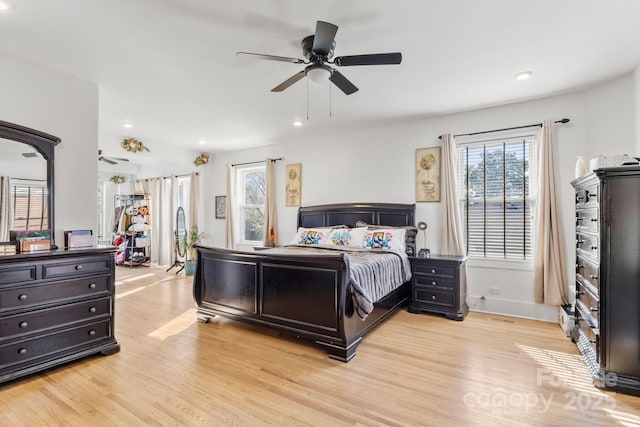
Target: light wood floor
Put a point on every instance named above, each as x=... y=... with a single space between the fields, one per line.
x=413 y=370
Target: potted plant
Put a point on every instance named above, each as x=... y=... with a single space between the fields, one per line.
x=191 y=239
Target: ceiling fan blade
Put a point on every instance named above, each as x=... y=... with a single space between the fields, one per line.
x=324 y=37
x=104 y=159
x=342 y=82
x=274 y=57
x=372 y=59
x=291 y=80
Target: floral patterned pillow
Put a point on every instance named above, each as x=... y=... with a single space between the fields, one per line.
x=390 y=239
x=311 y=236
x=347 y=237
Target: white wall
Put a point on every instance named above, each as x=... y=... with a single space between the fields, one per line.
x=377 y=165
x=66 y=107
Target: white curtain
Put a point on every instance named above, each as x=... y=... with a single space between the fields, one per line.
x=194 y=200
x=269 y=236
x=452 y=242
x=6 y=208
x=548 y=262
x=231 y=189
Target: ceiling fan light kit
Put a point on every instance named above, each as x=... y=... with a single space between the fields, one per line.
x=318 y=49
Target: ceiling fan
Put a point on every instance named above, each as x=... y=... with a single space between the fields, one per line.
x=318 y=50
x=110 y=160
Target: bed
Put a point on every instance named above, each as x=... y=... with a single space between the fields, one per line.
x=305 y=296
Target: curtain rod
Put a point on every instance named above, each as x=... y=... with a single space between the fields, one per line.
x=167 y=177
x=563 y=121
x=27 y=179
x=256 y=162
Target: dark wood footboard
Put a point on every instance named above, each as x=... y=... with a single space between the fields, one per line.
x=305 y=296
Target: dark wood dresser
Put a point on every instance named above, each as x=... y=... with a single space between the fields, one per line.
x=55 y=307
x=439 y=286
x=607 y=329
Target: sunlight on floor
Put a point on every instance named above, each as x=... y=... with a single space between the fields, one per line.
x=176 y=325
x=569 y=370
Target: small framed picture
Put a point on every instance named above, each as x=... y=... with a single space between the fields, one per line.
x=221 y=207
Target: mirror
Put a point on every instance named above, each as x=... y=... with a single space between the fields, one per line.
x=27 y=156
x=181 y=234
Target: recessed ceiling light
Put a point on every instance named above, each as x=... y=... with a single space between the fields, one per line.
x=127 y=125
x=201 y=142
x=297 y=123
x=523 y=75
x=4 y=5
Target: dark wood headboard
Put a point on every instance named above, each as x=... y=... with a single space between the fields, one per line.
x=388 y=214
x=391 y=214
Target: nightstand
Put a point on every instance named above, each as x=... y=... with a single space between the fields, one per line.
x=438 y=286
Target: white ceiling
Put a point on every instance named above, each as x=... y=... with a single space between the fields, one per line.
x=170 y=67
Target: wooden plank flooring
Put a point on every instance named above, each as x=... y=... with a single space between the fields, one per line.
x=414 y=370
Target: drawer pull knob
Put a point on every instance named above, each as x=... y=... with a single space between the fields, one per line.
x=579 y=242
x=433 y=297
x=92 y=333
x=579 y=218
x=24 y=324
x=433 y=283
x=22 y=351
x=593 y=341
x=22 y=297
x=433 y=271
x=593 y=277
x=594 y=219
x=92 y=310
x=593 y=308
x=92 y=286
x=593 y=248
x=79 y=267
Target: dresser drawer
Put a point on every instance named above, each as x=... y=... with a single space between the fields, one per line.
x=420 y=268
x=45 y=346
x=590 y=301
x=588 y=272
x=28 y=296
x=76 y=266
x=431 y=296
x=587 y=219
x=588 y=244
x=588 y=196
x=18 y=273
x=55 y=317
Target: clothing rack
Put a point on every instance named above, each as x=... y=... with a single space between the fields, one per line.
x=562 y=121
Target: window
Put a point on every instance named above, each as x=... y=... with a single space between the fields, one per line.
x=497 y=184
x=29 y=205
x=250 y=193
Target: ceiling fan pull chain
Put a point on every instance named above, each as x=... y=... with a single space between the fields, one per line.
x=330 y=103
x=307 y=99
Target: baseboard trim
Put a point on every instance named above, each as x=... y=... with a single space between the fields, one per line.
x=525 y=310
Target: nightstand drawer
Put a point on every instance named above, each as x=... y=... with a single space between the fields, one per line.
x=437 y=270
x=433 y=281
x=433 y=297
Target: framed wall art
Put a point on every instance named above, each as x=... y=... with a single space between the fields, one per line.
x=428 y=174
x=294 y=184
x=221 y=207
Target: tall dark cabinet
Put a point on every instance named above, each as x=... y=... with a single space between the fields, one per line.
x=607 y=329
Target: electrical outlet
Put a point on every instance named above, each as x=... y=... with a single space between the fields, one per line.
x=494 y=291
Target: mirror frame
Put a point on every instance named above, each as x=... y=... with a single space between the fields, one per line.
x=180 y=238
x=45 y=145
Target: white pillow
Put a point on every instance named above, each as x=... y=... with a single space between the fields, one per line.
x=390 y=239
x=347 y=237
x=311 y=236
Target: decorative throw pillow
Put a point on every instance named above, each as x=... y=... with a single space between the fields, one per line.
x=311 y=236
x=342 y=237
x=390 y=239
x=409 y=239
